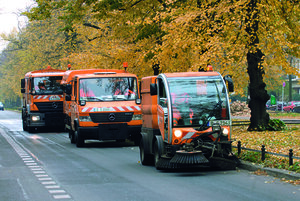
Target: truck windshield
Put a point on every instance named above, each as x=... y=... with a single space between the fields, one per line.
x=108 y=89
x=197 y=101
x=47 y=85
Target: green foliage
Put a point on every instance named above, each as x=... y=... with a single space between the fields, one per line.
x=252 y=156
x=276 y=125
x=295 y=167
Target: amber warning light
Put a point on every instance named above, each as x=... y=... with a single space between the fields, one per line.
x=125 y=65
x=209 y=68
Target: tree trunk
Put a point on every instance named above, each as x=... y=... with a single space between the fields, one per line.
x=258 y=95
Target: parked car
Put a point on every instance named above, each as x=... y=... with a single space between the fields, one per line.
x=296 y=107
x=290 y=106
x=280 y=104
x=270 y=107
x=1 y=106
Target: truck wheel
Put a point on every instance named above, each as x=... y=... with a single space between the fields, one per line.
x=72 y=136
x=146 y=159
x=156 y=154
x=24 y=123
x=79 y=139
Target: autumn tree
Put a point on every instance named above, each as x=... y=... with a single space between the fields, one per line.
x=248 y=39
x=35 y=47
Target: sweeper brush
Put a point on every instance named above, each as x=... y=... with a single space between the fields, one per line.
x=189 y=158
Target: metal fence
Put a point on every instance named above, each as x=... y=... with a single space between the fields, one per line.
x=247 y=122
x=264 y=152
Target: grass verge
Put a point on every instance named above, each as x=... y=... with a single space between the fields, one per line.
x=279 y=142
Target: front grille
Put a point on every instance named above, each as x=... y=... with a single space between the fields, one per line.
x=50 y=106
x=111 y=117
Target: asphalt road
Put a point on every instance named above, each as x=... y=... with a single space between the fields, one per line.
x=46 y=166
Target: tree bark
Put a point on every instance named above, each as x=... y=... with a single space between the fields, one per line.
x=258 y=95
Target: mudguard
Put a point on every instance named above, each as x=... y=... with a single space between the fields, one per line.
x=161 y=146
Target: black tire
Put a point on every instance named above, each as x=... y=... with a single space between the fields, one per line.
x=146 y=159
x=156 y=154
x=72 y=136
x=79 y=138
x=24 y=122
x=25 y=127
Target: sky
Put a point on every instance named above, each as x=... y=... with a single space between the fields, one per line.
x=9 y=18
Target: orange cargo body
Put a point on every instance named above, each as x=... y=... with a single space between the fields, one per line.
x=186 y=120
x=42 y=99
x=101 y=104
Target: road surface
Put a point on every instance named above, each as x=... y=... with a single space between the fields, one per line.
x=46 y=166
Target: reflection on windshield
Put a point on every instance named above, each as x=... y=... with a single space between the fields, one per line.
x=195 y=101
x=108 y=89
x=47 y=85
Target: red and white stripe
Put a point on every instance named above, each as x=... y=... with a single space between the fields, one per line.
x=43 y=97
x=112 y=109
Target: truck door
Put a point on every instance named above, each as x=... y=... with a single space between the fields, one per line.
x=163 y=110
x=73 y=103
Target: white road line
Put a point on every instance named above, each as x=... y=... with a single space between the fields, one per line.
x=34 y=166
x=31 y=163
x=39 y=172
x=45 y=179
x=56 y=191
x=48 y=182
x=62 y=196
x=53 y=186
x=36 y=169
x=42 y=175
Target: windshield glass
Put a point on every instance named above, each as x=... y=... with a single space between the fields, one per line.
x=47 y=85
x=108 y=89
x=198 y=100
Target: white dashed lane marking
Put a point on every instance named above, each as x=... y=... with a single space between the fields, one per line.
x=52 y=187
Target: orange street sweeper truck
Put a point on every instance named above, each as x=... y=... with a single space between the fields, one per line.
x=186 y=121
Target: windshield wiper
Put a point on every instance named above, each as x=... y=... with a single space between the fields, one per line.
x=94 y=98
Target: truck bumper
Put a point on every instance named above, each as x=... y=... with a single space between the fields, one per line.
x=109 y=132
x=48 y=119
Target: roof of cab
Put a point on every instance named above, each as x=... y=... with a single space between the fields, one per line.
x=49 y=71
x=89 y=73
x=192 y=74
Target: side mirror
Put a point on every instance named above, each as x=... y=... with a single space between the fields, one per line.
x=153 y=89
x=82 y=103
x=229 y=81
x=22 y=83
x=68 y=98
x=68 y=89
x=138 y=101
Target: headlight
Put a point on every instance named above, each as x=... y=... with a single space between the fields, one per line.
x=225 y=131
x=35 y=118
x=178 y=133
x=85 y=118
x=137 y=117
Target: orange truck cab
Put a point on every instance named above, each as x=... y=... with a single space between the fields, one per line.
x=186 y=120
x=42 y=99
x=101 y=104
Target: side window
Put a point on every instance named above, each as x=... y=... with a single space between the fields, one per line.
x=162 y=94
x=75 y=90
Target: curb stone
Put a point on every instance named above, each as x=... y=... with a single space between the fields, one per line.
x=271 y=171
